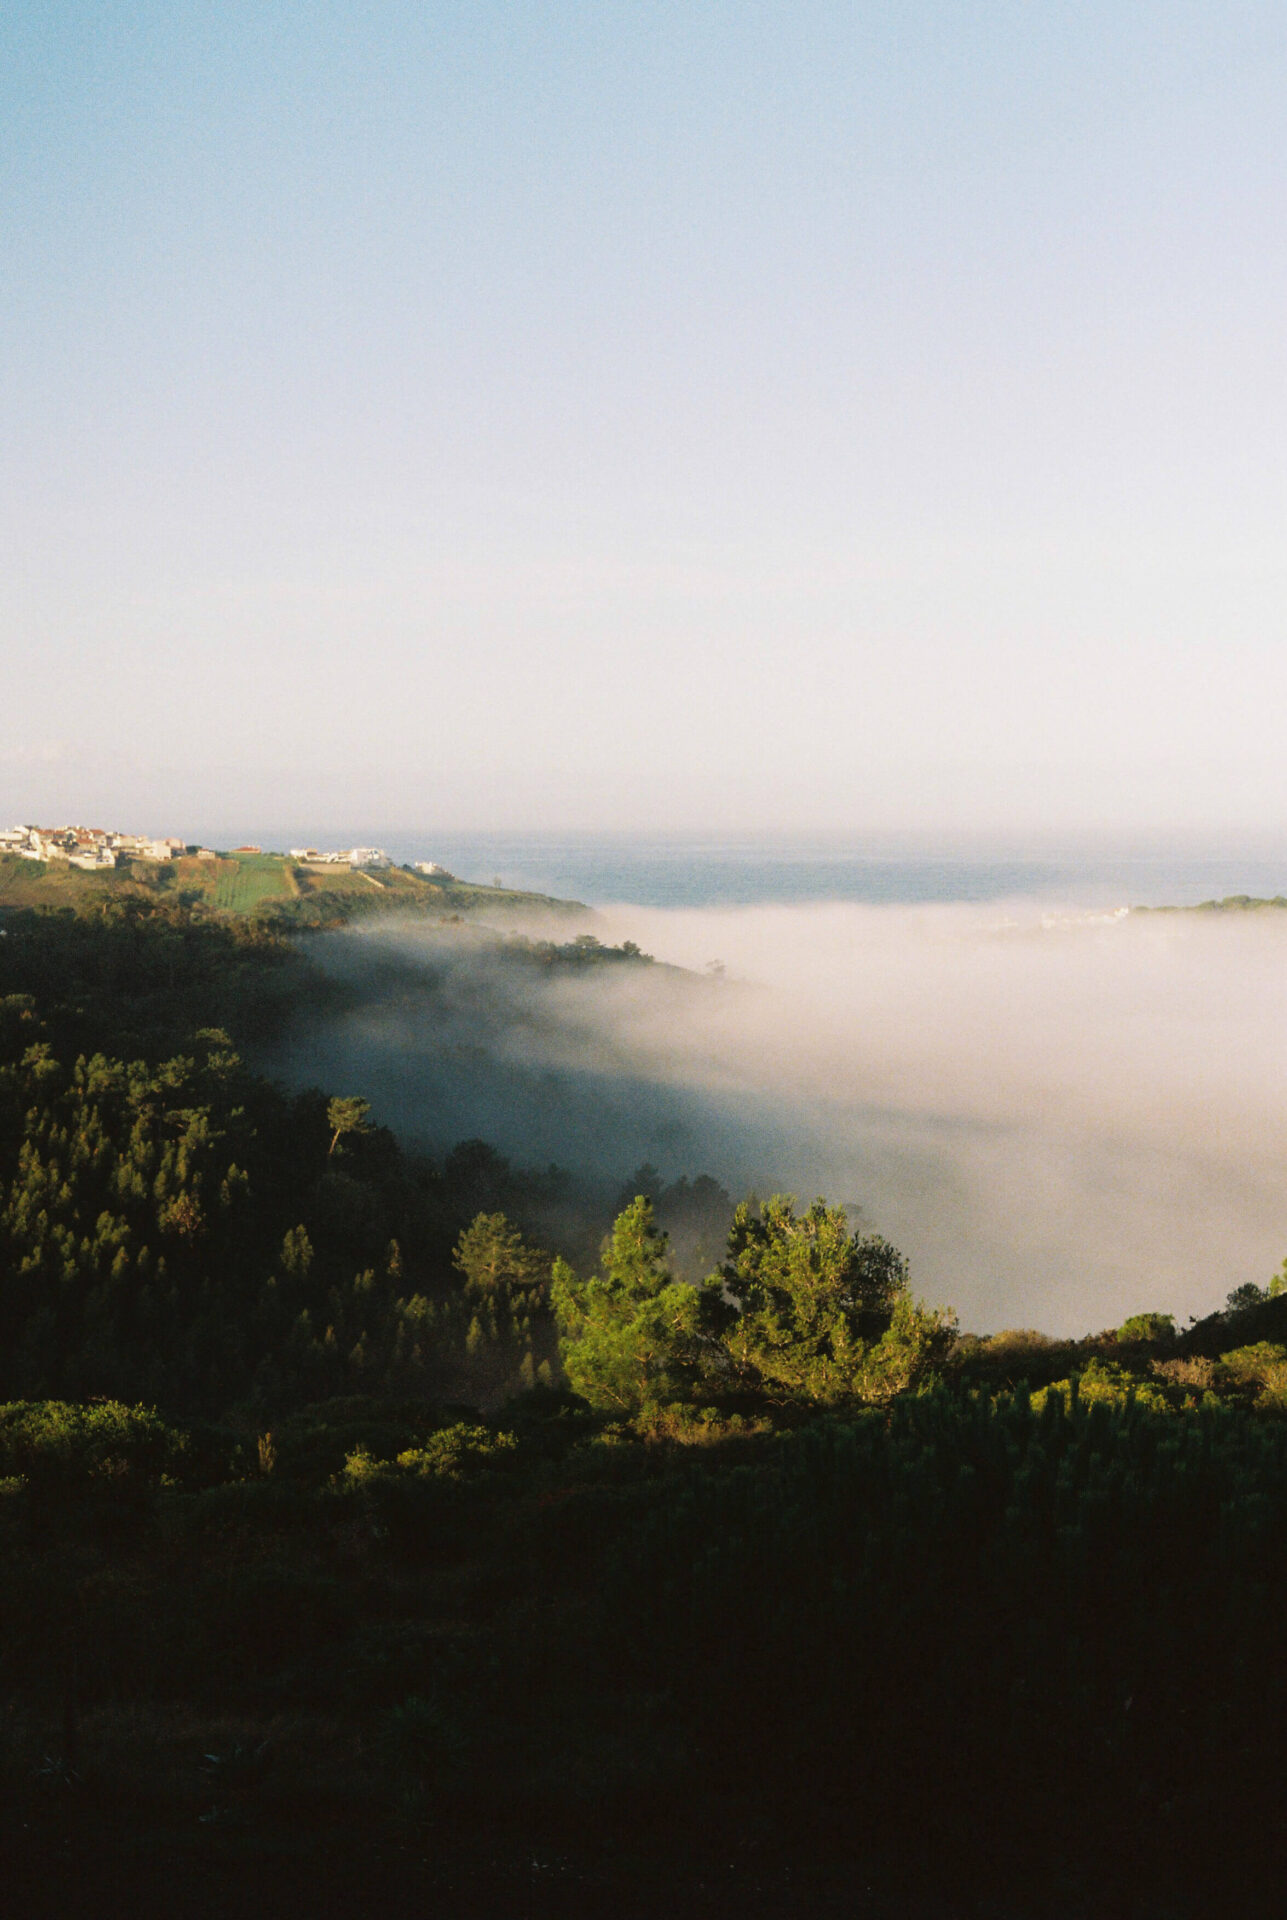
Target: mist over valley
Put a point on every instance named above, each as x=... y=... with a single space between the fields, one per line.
x=1061 y=1117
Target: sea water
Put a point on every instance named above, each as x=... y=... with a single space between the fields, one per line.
x=708 y=871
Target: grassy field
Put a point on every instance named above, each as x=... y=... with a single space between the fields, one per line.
x=244 y=880
x=29 y=883
x=314 y=880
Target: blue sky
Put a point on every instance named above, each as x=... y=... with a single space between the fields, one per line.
x=724 y=416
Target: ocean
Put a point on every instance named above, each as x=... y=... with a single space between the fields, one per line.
x=691 y=871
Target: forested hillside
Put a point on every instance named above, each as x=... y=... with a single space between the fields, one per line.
x=417 y=1527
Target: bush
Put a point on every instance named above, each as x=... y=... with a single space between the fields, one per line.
x=1147 y=1330
x=43 y=1439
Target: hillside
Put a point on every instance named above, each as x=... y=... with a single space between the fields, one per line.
x=374 y=1520
x=1232 y=903
x=265 y=886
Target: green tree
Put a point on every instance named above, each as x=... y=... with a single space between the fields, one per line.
x=633 y=1337
x=494 y=1257
x=345 y=1116
x=822 y=1315
x=1148 y=1329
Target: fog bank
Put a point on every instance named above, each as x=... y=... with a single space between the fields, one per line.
x=1060 y=1118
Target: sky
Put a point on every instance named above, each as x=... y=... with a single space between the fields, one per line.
x=726 y=416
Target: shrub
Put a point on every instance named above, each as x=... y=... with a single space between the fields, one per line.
x=44 y=1438
x=1147 y=1329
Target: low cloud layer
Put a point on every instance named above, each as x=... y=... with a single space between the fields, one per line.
x=1060 y=1118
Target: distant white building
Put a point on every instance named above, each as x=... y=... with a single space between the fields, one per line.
x=141 y=846
x=20 y=840
x=432 y=870
x=342 y=857
x=91 y=848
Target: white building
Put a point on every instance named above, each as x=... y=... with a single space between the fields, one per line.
x=20 y=840
x=342 y=857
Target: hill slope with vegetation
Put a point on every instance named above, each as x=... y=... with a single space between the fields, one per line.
x=398 y=1524
x=267 y=886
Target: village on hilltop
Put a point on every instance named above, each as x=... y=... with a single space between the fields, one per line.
x=97 y=847
x=91 y=847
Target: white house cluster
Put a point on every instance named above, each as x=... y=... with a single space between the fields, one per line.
x=89 y=847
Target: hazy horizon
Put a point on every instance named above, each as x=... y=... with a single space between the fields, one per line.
x=708 y=869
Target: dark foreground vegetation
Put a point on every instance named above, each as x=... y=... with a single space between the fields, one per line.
x=373 y=1541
